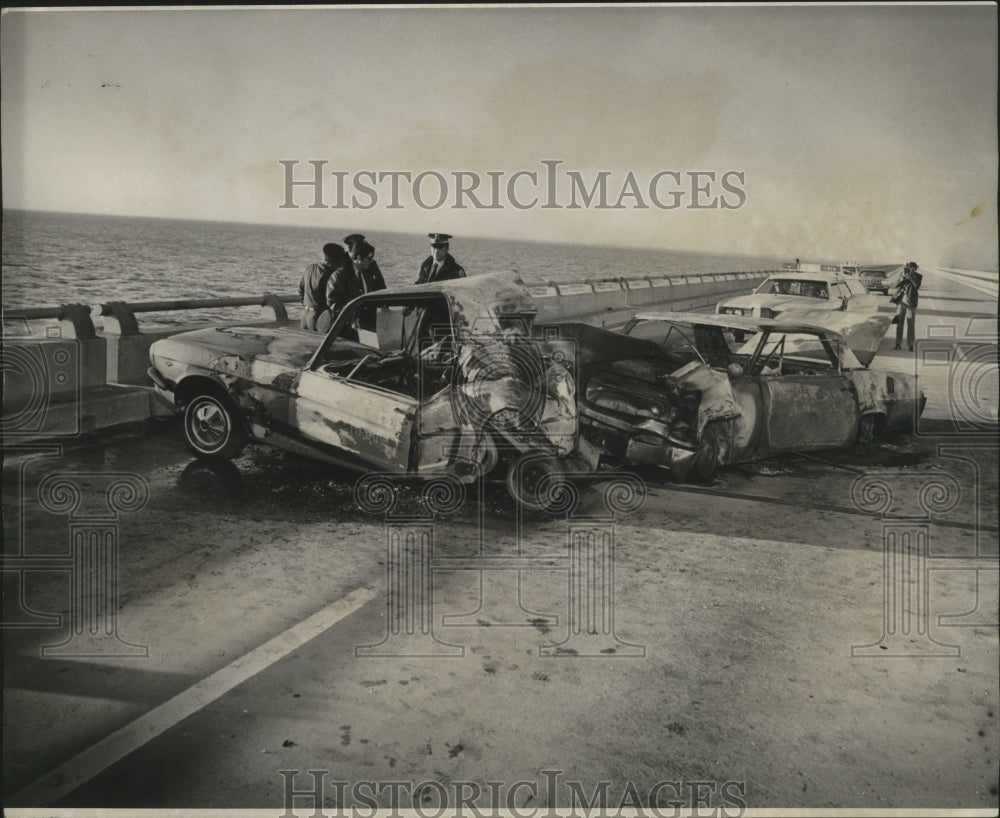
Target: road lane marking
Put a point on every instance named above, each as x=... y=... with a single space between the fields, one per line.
x=84 y=766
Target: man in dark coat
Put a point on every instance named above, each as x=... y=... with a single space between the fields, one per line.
x=439 y=265
x=906 y=299
x=343 y=287
x=363 y=258
x=313 y=286
x=369 y=276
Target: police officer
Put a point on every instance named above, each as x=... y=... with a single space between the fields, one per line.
x=440 y=265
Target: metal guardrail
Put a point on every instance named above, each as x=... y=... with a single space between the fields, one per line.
x=108 y=308
x=119 y=316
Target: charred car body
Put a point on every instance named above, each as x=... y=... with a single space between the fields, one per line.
x=421 y=380
x=677 y=390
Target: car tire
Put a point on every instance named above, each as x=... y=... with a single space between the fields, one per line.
x=213 y=428
x=866 y=430
x=707 y=459
x=535 y=481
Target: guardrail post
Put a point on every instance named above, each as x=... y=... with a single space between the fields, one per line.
x=275 y=305
x=75 y=322
x=119 y=319
x=127 y=347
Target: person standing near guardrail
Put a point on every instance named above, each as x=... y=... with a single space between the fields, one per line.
x=363 y=258
x=905 y=299
x=439 y=265
x=369 y=276
x=313 y=286
x=345 y=284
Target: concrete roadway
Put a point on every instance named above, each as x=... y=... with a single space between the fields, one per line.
x=757 y=644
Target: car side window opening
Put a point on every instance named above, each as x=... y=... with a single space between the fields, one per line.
x=797 y=354
x=814 y=289
x=711 y=342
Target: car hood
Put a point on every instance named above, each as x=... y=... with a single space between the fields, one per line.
x=278 y=344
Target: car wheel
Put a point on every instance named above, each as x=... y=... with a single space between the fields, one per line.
x=535 y=481
x=212 y=427
x=866 y=429
x=709 y=455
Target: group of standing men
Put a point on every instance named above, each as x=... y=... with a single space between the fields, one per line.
x=351 y=270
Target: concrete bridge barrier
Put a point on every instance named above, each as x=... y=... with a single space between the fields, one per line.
x=63 y=379
x=612 y=301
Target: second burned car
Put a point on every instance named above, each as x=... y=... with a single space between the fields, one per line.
x=678 y=390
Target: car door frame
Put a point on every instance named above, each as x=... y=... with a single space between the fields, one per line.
x=792 y=400
x=381 y=427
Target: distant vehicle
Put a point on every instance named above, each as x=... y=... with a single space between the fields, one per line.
x=428 y=380
x=795 y=293
x=673 y=390
x=875 y=280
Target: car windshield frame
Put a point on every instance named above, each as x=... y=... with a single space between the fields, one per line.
x=376 y=300
x=690 y=337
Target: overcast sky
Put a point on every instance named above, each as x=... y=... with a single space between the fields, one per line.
x=862 y=132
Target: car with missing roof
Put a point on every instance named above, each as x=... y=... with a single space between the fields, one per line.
x=678 y=390
x=418 y=381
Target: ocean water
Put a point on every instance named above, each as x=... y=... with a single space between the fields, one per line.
x=59 y=258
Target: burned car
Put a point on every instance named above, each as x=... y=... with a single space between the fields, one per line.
x=678 y=390
x=420 y=381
